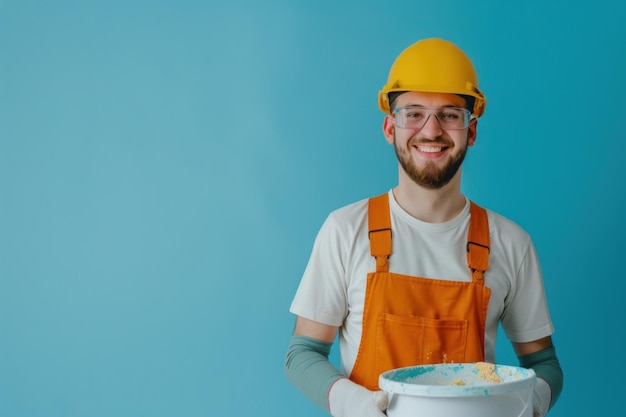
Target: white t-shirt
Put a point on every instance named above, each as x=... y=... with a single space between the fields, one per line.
x=332 y=289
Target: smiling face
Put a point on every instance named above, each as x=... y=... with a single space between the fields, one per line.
x=430 y=156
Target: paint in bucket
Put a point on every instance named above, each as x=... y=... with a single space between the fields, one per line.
x=459 y=389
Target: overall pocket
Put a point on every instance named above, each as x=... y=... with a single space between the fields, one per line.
x=407 y=341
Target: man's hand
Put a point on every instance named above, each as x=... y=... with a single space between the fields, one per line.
x=347 y=399
x=541 y=398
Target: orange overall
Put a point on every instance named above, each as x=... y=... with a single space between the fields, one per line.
x=411 y=321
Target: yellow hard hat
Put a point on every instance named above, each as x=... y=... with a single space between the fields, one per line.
x=436 y=66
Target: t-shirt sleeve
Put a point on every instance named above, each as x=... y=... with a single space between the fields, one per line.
x=527 y=317
x=321 y=295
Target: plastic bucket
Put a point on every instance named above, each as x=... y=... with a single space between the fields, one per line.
x=458 y=390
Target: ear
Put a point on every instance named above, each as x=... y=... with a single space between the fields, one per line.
x=389 y=129
x=472 y=132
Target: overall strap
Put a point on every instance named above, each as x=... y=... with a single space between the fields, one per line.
x=478 y=242
x=379 y=224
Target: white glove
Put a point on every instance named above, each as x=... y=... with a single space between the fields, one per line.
x=347 y=399
x=541 y=398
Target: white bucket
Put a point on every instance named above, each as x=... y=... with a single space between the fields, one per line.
x=435 y=391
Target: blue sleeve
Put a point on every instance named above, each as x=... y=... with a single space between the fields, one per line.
x=547 y=367
x=307 y=367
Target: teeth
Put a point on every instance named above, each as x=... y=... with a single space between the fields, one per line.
x=429 y=149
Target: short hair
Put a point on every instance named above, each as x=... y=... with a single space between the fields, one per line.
x=393 y=95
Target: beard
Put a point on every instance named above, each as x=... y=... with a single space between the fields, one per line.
x=430 y=176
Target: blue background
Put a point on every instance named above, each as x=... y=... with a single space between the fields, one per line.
x=165 y=166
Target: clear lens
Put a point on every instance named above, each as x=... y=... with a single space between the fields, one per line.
x=415 y=117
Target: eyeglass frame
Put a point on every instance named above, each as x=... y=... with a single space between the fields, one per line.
x=467 y=116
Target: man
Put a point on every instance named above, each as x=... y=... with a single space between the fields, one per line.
x=420 y=274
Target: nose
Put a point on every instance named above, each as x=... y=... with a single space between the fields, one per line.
x=432 y=127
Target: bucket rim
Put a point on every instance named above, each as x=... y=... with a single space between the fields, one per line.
x=394 y=381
